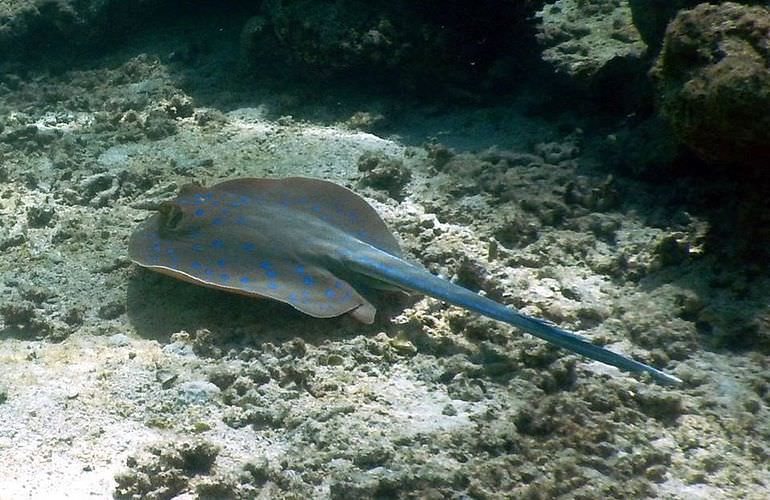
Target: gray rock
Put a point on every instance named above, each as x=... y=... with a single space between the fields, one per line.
x=119 y=340
x=198 y=392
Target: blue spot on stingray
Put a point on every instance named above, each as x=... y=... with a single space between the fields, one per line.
x=221 y=262
x=337 y=284
x=300 y=269
x=215 y=203
x=240 y=220
x=293 y=297
x=272 y=285
x=218 y=244
x=194 y=235
x=156 y=247
x=208 y=272
x=200 y=212
x=197 y=247
x=248 y=246
x=217 y=221
x=265 y=264
x=245 y=279
x=224 y=277
x=170 y=251
x=271 y=274
x=330 y=293
x=316 y=208
x=208 y=196
x=196 y=265
x=244 y=200
x=308 y=280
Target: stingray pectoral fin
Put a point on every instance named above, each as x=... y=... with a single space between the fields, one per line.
x=364 y=313
x=319 y=293
x=239 y=268
x=336 y=205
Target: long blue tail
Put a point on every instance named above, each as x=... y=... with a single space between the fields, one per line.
x=395 y=271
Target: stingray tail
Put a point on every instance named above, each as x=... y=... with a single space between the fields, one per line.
x=582 y=345
x=395 y=271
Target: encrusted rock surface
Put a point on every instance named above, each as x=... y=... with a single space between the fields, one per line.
x=713 y=81
x=583 y=38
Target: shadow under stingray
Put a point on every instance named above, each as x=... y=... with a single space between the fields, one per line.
x=159 y=306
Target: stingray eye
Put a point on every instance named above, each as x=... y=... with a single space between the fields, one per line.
x=170 y=216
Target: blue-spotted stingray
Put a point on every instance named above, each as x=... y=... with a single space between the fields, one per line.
x=314 y=245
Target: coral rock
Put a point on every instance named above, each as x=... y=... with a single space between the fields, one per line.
x=713 y=81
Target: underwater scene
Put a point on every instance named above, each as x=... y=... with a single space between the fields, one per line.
x=347 y=249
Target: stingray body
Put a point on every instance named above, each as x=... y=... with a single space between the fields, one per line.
x=310 y=243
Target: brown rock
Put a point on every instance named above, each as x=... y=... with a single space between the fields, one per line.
x=713 y=82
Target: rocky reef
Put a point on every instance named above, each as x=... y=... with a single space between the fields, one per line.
x=420 y=47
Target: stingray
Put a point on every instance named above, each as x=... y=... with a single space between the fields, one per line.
x=316 y=246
